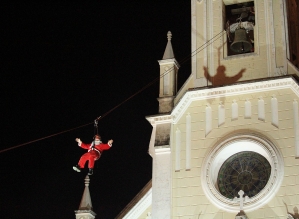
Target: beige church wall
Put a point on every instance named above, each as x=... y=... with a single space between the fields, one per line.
x=279 y=36
x=199 y=33
x=188 y=197
x=269 y=58
x=188 y=84
x=144 y=215
x=292 y=70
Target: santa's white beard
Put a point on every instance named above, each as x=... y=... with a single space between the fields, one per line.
x=97 y=142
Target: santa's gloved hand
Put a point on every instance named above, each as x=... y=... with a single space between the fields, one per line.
x=79 y=141
x=110 y=142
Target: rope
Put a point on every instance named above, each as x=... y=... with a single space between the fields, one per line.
x=39 y=139
x=199 y=49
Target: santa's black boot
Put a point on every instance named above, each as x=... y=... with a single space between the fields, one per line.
x=90 y=172
x=77 y=168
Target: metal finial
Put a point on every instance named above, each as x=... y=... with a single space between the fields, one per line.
x=169 y=35
x=87 y=180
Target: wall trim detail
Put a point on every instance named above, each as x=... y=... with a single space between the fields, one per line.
x=296 y=127
x=232 y=90
x=140 y=206
x=226 y=147
x=188 y=142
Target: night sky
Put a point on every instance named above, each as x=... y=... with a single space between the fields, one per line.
x=63 y=65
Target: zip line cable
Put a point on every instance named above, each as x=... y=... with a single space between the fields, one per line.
x=199 y=49
x=39 y=139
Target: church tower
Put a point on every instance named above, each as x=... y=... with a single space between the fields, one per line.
x=160 y=140
x=85 y=208
x=168 y=78
x=226 y=146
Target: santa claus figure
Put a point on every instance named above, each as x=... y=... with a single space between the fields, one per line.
x=95 y=150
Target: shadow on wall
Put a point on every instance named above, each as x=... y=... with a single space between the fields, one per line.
x=220 y=77
x=294 y=215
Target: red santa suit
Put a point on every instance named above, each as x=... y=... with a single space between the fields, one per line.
x=94 y=153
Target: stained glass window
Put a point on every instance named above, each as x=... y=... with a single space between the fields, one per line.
x=247 y=171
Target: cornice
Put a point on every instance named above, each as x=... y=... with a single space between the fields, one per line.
x=85 y=212
x=159 y=119
x=169 y=61
x=242 y=88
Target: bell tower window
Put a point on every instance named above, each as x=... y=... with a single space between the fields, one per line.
x=239 y=22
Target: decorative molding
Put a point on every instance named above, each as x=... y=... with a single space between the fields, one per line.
x=162 y=150
x=247 y=113
x=261 y=109
x=235 y=110
x=194 y=37
x=159 y=119
x=274 y=111
x=269 y=36
x=208 y=119
x=296 y=127
x=85 y=214
x=227 y=147
x=233 y=90
x=144 y=203
x=169 y=62
x=177 y=150
x=188 y=142
x=221 y=114
x=210 y=35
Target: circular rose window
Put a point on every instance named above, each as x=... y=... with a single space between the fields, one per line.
x=247 y=171
x=248 y=162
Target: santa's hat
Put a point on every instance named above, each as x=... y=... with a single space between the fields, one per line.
x=97 y=137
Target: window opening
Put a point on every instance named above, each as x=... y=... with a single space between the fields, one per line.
x=239 y=26
x=247 y=171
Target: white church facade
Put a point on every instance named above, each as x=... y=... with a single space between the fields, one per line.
x=226 y=145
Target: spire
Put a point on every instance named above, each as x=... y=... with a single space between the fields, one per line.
x=85 y=207
x=86 y=199
x=168 y=78
x=168 y=54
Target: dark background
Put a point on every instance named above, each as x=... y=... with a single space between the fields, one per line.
x=63 y=65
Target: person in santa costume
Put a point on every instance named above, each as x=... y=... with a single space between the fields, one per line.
x=95 y=150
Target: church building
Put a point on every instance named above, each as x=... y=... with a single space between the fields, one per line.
x=226 y=144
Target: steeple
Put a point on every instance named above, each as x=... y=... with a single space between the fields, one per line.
x=85 y=207
x=168 y=78
x=168 y=54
